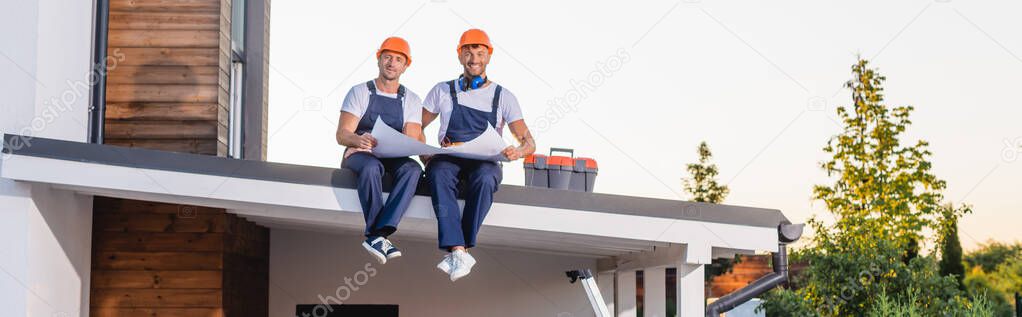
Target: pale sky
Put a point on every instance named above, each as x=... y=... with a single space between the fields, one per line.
x=759 y=81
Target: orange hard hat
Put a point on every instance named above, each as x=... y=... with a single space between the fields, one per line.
x=475 y=36
x=396 y=44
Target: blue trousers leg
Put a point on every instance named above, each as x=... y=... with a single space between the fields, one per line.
x=442 y=176
x=483 y=179
x=406 y=178
x=380 y=220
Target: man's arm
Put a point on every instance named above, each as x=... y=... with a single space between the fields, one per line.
x=414 y=130
x=526 y=144
x=346 y=133
x=427 y=118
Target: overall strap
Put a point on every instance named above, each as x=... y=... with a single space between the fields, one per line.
x=372 y=89
x=496 y=102
x=454 y=93
x=372 y=86
x=496 y=98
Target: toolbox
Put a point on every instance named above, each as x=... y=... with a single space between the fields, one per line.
x=561 y=172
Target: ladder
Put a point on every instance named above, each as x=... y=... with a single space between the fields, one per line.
x=592 y=290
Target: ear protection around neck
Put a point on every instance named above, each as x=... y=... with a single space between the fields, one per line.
x=473 y=82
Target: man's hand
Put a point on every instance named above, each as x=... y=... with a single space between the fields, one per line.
x=512 y=153
x=425 y=159
x=365 y=141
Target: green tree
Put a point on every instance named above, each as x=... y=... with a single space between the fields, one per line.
x=879 y=179
x=991 y=254
x=883 y=196
x=951 y=263
x=702 y=183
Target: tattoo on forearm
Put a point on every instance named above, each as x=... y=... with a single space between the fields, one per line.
x=526 y=140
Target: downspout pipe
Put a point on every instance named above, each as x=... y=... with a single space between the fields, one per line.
x=787 y=233
x=97 y=74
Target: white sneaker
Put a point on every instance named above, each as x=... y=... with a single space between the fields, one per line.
x=445 y=264
x=461 y=264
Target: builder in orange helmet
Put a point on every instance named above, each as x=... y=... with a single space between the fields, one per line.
x=384 y=98
x=466 y=107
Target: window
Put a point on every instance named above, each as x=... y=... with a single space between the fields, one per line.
x=345 y=310
x=640 y=293
x=235 y=122
x=671 y=283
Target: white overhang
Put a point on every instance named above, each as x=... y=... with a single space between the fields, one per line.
x=323 y=199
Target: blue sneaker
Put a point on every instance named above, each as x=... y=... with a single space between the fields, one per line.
x=393 y=251
x=378 y=247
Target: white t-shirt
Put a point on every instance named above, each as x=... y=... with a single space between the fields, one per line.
x=439 y=101
x=357 y=101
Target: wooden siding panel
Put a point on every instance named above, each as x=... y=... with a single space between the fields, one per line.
x=166 y=56
x=156 y=312
x=204 y=147
x=153 y=222
x=165 y=38
x=157 y=279
x=164 y=21
x=158 y=241
x=161 y=93
x=163 y=111
x=184 y=298
x=116 y=260
x=158 y=74
x=165 y=5
x=162 y=129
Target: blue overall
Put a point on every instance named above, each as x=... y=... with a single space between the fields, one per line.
x=480 y=179
x=382 y=217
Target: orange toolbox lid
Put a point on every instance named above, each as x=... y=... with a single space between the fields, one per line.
x=588 y=163
x=561 y=162
x=531 y=158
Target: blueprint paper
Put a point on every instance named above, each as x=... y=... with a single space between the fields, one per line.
x=391 y=143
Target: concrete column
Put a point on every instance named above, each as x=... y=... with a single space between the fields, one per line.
x=656 y=292
x=607 y=284
x=691 y=295
x=626 y=294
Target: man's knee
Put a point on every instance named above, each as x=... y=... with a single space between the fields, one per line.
x=441 y=171
x=409 y=170
x=486 y=178
x=371 y=169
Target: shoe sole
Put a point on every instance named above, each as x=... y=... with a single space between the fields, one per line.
x=393 y=255
x=456 y=278
x=376 y=254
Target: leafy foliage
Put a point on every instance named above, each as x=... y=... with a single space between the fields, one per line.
x=884 y=196
x=990 y=255
x=1003 y=279
x=950 y=246
x=702 y=184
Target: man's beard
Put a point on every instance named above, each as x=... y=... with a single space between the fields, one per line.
x=482 y=70
x=389 y=77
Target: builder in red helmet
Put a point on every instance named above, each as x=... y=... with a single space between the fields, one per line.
x=466 y=107
x=401 y=109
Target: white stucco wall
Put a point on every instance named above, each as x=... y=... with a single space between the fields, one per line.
x=306 y=265
x=44 y=234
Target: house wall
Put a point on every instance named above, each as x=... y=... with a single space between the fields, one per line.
x=169 y=90
x=157 y=259
x=44 y=81
x=310 y=268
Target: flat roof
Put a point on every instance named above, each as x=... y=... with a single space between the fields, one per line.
x=343 y=178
